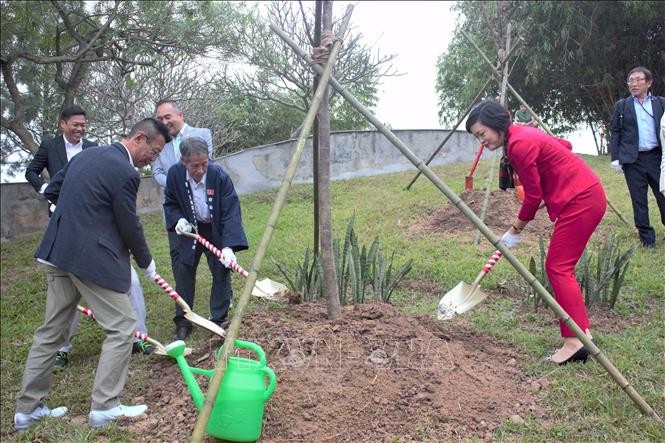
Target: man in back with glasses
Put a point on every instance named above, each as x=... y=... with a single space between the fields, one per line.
x=636 y=149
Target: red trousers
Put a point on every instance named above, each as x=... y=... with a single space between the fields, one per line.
x=572 y=231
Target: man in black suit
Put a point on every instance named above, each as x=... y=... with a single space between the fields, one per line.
x=636 y=149
x=54 y=154
x=202 y=194
x=85 y=251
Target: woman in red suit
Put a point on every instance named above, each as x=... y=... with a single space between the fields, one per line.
x=574 y=198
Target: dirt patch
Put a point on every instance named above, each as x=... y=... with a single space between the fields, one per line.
x=377 y=374
x=502 y=209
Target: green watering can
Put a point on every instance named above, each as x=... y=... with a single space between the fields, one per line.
x=238 y=411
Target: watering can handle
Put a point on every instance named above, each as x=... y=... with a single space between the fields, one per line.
x=252 y=347
x=271 y=386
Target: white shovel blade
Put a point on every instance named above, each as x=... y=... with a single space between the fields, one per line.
x=204 y=323
x=267 y=288
x=458 y=300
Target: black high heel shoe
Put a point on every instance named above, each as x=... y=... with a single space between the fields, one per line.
x=581 y=355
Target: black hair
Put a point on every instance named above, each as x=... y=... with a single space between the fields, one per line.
x=71 y=111
x=151 y=127
x=647 y=74
x=491 y=114
x=192 y=146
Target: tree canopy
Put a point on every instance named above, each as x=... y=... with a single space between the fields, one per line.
x=116 y=59
x=572 y=64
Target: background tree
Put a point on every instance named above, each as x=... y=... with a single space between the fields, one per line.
x=272 y=72
x=51 y=49
x=573 y=63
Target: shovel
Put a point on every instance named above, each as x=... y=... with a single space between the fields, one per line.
x=468 y=180
x=159 y=348
x=187 y=311
x=463 y=296
x=265 y=288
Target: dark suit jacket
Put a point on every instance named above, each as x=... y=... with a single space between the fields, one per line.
x=623 y=129
x=51 y=155
x=223 y=204
x=95 y=223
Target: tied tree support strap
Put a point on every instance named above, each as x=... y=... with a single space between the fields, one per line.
x=321 y=53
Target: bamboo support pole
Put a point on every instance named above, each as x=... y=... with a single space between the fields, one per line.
x=232 y=333
x=535 y=116
x=452 y=131
x=494 y=240
x=459 y=122
x=504 y=82
x=483 y=210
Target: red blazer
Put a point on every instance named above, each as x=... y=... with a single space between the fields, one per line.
x=548 y=170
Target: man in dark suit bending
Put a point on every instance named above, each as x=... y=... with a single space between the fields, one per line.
x=85 y=252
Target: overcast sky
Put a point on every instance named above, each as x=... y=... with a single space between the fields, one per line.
x=418 y=32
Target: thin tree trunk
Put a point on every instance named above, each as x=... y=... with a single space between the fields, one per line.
x=315 y=137
x=325 y=210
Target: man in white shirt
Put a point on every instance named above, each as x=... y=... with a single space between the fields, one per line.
x=636 y=148
x=201 y=194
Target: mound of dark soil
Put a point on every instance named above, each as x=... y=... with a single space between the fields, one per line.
x=377 y=374
x=502 y=209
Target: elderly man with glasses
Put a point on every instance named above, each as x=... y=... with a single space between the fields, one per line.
x=636 y=148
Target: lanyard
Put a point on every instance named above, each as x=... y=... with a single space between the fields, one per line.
x=191 y=204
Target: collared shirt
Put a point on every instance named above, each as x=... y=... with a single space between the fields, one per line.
x=646 y=124
x=199 y=196
x=131 y=161
x=72 y=149
x=176 y=142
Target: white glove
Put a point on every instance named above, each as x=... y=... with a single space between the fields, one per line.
x=183 y=226
x=616 y=166
x=41 y=190
x=228 y=257
x=52 y=208
x=511 y=240
x=151 y=271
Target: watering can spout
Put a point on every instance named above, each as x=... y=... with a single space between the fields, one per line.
x=177 y=351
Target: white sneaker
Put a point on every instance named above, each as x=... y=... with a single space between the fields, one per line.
x=24 y=421
x=100 y=418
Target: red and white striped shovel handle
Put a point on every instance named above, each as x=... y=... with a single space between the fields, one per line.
x=234 y=265
x=138 y=334
x=492 y=261
x=172 y=293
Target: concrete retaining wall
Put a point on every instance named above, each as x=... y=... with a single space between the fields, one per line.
x=354 y=154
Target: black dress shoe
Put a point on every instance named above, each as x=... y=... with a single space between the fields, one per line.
x=182 y=332
x=581 y=355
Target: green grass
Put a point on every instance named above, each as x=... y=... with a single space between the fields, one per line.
x=585 y=403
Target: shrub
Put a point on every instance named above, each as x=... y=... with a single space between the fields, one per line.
x=600 y=276
x=610 y=268
x=357 y=268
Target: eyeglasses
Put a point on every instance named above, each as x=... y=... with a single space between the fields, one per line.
x=634 y=81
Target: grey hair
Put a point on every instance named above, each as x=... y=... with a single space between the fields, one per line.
x=168 y=102
x=192 y=146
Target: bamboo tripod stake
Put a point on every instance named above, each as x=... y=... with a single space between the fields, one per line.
x=494 y=240
x=459 y=122
x=232 y=333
